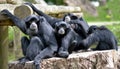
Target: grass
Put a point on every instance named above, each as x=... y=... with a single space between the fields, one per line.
x=113 y=6
x=116 y=30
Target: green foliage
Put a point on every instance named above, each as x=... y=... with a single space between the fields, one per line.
x=116 y=30
x=11 y=33
x=11 y=57
x=112 y=6
x=32 y=1
x=56 y=2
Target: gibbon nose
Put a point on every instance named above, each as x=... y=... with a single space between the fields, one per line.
x=61 y=31
x=33 y=26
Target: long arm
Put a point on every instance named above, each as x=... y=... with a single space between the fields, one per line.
x=48 y=34
x=39 y=12
x=51 y=20
x=90 y=40
x=82 y=25
x=19 y=23
x=45 y=53
x=66 y=44
x=50 y=42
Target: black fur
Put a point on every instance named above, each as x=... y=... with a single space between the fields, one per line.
x=51 y=20
x=42 y=44
x=66 y=40
x=79 y=25
x=105 y=38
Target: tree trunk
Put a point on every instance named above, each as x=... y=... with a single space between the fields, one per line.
x=86 y=60
x=17 y=43
x=3 y=47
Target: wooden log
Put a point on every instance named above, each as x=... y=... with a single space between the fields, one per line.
x=23 y=11
x=2 y=1
x=46 y=9
x=86 y=60
x=9 y=7
x=6 y=23
x=53 y=9
x=15 y=1
x=4 y=20
x=3 y=47
x=26 y=11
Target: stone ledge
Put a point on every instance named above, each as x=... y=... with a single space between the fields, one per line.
x=85 y=60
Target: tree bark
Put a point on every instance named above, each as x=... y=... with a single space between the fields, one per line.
x=17 y=43
x=51 y=10
x=86 y=60
x=3 y=47
x=57 y=11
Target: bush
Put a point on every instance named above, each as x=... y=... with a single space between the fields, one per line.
x=115 y=28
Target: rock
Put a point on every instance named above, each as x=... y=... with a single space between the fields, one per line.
x=86 y=60
x=84 y=4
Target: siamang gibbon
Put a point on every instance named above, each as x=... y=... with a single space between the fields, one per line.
x=51 y=20
x=80 y=28
x=66 y=38
x=70 y=18
x=79 y=25
x=42 y=42
x=105 y=38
